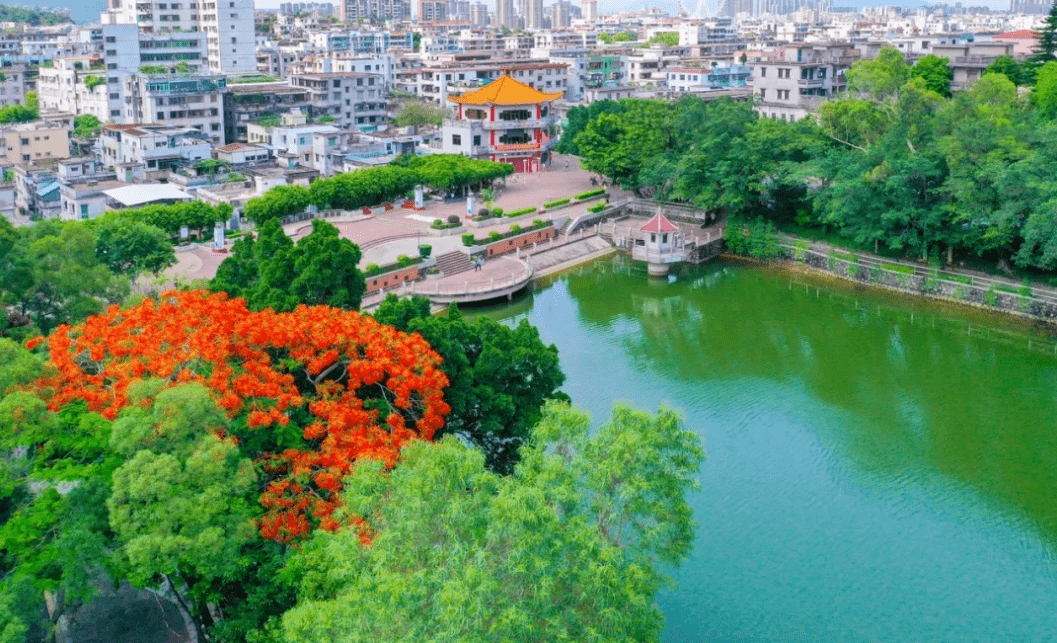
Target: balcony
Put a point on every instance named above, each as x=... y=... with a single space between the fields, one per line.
x=973 y=61
x=811 y=82
x=529 y=123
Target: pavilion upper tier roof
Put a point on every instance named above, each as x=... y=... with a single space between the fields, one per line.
x=505 y=91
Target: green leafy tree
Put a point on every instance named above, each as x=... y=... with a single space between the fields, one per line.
x=934 y=71
x=417 y=113
x=665 y=39
x=1047 y=47
x=577 y=119
x=86 y=126
x=325 y=269
x=180 y=501
x=880 y=78
x=132 y=248
x=278 y=202
x=572 y=547
x=622 y=145
x=273 y=272
x=499 y=376
x=1044 y=96
x=1007 y=66
x=52 y=276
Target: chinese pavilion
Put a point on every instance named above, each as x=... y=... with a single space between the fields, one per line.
x=506 y=121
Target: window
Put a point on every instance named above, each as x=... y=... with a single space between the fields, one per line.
x=477 y=139
x=111 y=66
x=84 y=210
x=111 y=39
x=25 y=141
x=456 y=139
x=763 y=94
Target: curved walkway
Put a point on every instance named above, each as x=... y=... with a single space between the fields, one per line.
x=498 y=277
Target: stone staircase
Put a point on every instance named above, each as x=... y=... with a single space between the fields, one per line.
x=453 y=263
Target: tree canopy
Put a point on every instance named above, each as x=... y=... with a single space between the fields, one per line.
x=417 y=113
x=498 y=377
x=570 y=547
x=893 y=165
x=274 y=272
x=331 y=385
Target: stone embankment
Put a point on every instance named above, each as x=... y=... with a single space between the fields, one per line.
x=962 y=287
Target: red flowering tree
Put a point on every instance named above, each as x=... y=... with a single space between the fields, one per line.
x=309 y=391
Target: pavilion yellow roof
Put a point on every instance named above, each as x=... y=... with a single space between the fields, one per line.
x=505 y=91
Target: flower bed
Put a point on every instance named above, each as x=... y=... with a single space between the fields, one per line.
x=590 y=193
x=469 y=239
x=373 y=269
x=520 y=212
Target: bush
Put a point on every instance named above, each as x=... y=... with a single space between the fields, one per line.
x=991 y=297
x=494 y=236
x=483 y=213
x=898 y=267
x=404 y=261
x=598 y=207
x=589 y=194
x=961 y=279
x=556 y=203
x=497 y=212
x=515 y=229
x=521 y=211
x=468 y=239
x=800 y=249
x=425 y=250
x=755 y=239
x=437 y=223
x=453 y=219
x=538 y=223
x=371 y=269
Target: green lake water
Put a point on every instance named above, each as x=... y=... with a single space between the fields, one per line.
x=879 y=468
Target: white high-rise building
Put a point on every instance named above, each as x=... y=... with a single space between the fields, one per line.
x=226 y=24
x=534 y=14
x=504 y=14
x=589 y=9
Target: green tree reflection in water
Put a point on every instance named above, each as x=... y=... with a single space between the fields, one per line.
x=935 y=392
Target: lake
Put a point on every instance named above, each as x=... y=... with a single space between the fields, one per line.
x=880 y=468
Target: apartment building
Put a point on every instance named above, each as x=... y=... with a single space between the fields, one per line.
x=143 y=152
x=226 y=24
x=127 y=48
x=36 y=191
x=313 y=146
x=79 y=85
x=185 y=100
x=356 y=42
x=82 y=181
x=13 y=82
x=353 y=100
x=682 y=80
x=34 y=141
x=435 y=83
x=968 y=60
x=356 y=10
x=792 y=87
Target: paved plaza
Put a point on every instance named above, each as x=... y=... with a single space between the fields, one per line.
x=384 y=236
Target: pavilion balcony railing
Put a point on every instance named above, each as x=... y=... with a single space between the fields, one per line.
x=499 y=124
